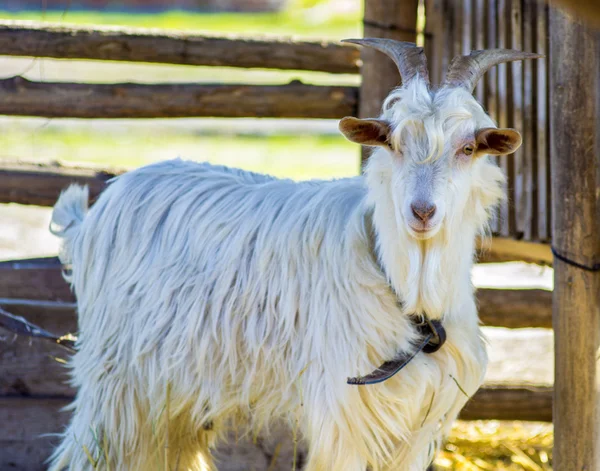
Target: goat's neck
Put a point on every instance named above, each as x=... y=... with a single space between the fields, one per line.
x=431 y=276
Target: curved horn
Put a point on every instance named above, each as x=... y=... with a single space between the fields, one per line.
x=466 y=71
x=409 y=58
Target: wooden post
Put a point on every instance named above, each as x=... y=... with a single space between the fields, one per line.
x=393 y=19
x=575 y=158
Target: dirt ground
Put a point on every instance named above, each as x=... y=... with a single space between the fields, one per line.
x=523 y=355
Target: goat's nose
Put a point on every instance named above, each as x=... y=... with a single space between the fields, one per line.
x=423 y=210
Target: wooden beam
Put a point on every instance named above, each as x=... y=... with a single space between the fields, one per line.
x=505 y=249
x=390 y=19
x=21 y=97
x=515 y=308
x=510 y=402
x=575 y=159
x=41 y=280
x=41 y=184
x=26 y=38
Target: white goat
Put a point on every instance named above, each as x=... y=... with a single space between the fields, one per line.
x=210 y=295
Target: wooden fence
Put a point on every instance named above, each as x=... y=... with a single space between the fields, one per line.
x=32 y=383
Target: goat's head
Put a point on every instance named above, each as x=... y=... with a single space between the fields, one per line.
x=432 y=145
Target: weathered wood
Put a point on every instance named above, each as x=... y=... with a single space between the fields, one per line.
x=510 y=402
x=491 y=85
x=36 y=280
x=515 y=92
x=478 y=34
x=504 y=249
x=542 y=124
x=434 y=38
x=25 y=423
x=40 y=184
x=502 y=15
x=25 y=38
x=526 y=207
x=21 y=97
x=383 y=19
x=29 y=366
x=515 y=308
x=575 y=157
x=42 y=281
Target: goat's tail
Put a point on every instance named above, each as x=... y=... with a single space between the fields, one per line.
x=67 y=216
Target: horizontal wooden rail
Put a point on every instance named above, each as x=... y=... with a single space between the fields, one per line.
x=41 y=280
x=41 y=184
x=492 y=402
x=510 y=402
x=24 y=38
x=21 y=97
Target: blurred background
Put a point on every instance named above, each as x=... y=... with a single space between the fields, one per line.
x=298 y=149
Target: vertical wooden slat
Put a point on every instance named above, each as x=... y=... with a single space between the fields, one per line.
x=520 y=171
x=449 y=21
x=542 y=124
x=528 y=209
x=383 y=19
x=503 y=99
x=434 y=38
x=467 y=16
x=491 y=79
x=575 y=157
x=479 y=42
x=459 y=26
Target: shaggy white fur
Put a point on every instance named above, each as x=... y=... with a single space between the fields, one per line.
x=209 y=295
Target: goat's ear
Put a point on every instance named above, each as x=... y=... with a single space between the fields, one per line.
x=497 y=141
x=368 y=132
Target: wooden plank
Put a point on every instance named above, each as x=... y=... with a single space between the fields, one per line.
x=26 y=422
x=29 y=366
x=519 y=168
x=491 y=86
x=575 y=158
x=479 y=43
x=42 y=281
x=25 y=38
x=459 y=26
x=504 y=249
x=503 y=100
x=434 y=39
x=449 y=20
x=383 y=19
x=542 y=124
x=41 y=184
x=510 y=402
x=467 y=27
x=35 y=281
x=529 y=196
x=515 y=308
x=21 y=97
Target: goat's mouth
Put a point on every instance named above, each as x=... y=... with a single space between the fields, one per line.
x=422 y=231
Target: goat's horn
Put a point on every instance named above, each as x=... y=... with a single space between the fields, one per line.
x=409 y=58
x=466 y=71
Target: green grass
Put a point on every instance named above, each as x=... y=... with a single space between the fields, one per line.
x=295 y=21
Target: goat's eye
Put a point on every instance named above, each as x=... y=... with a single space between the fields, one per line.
x=468 y=149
